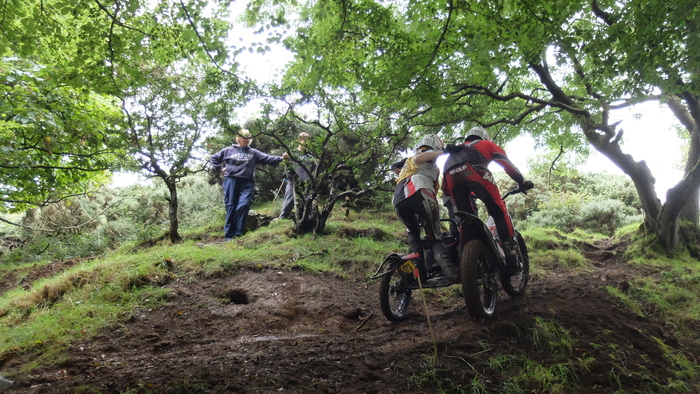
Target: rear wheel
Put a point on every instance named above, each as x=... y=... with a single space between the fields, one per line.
x=515 y=285
x=478 y=280
x=394 y=293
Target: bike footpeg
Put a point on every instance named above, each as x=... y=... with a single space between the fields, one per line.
x=437 y=281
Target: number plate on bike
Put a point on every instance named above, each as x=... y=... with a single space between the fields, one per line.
x=407 y=267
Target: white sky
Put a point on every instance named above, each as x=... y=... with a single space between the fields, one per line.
x=651 y=137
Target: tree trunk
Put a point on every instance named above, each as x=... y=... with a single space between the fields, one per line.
x=686 y=108
x=305 y=214
x=662 y=220
x=677 y=198
x=689 y=212
x=638 y=171
x=172 y=211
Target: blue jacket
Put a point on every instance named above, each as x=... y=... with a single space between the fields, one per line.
x=241 y=162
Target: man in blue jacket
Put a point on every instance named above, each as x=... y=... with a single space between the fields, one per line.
x=238 y=164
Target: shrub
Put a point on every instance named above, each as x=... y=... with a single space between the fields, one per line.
x=599 y=202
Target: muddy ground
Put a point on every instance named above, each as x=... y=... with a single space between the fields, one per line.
x=264 y=331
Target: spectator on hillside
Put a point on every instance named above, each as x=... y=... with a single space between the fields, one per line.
x=307 y=163
x=238 y=162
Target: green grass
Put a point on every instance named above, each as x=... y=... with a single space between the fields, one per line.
x=46 y=318
x=685 y=369
x=547 y=238
x=556 y=378
x=675 y=298
x=549 y=337
x=550 y=248
x=96 y=293
x=564 y=258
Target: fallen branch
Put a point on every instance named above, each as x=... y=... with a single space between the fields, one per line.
x=309 y=255
x=371 y=315
x=466 y=362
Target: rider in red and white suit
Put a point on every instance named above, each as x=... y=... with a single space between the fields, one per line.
x=466 y=172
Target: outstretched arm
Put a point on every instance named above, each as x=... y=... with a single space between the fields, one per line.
x=426 y=156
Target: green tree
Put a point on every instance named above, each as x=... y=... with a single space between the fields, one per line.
x=352 y=151
x=62 y=117
x=103 y=46
x=56 y=140
x=169 y=119
x=556 y=69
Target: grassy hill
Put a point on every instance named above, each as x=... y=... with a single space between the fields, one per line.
x=299 y=314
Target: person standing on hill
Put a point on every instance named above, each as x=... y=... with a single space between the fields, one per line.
x=302 y=176
x=238 y=162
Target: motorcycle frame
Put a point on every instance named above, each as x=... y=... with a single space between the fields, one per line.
x=471 y=227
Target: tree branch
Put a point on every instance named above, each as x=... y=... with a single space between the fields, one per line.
x=467 y=90
x=114 y=19
x=204 y=45
x=554 y=162
x=441 y=39
x=606 y=17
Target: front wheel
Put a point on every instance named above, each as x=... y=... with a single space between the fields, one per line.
x=478 y=280
x=394 y=292
x=515 y=285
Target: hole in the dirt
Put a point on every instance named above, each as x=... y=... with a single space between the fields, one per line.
x=236 y=296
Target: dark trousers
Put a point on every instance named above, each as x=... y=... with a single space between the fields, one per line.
x=238 y=195
x=421 y=210
x=460 y=185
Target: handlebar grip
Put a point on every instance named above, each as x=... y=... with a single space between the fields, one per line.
x=525 y=186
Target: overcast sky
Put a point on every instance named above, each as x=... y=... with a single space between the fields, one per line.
x=651 y=138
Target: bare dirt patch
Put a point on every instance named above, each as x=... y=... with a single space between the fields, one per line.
x=26 y=277
x=288 y=331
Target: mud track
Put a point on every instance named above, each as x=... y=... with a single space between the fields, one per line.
x=289 y=331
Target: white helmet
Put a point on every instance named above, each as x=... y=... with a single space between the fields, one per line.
x=478 y=131
x=432 y=141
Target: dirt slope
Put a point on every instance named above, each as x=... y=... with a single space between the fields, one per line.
x=297 y=332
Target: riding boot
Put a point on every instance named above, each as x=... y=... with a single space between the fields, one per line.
x=415 y=245
x=513 y=265
x=442 y=258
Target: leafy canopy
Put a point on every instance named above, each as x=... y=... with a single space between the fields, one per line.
x=55 y=140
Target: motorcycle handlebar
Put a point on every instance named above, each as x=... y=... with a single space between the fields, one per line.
x=522 y=188
x=525 y=186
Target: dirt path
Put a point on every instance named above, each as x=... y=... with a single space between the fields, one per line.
x=289 y=331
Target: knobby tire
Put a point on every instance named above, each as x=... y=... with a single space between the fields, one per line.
x=394 y=294
x=478 y=280
x=515 y=285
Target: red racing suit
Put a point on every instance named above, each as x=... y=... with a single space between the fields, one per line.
x=466 y=171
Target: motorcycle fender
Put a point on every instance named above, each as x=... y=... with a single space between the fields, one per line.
x=388 y=265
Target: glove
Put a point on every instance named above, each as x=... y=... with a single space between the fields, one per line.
x=525 y=186
x=452 y=148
